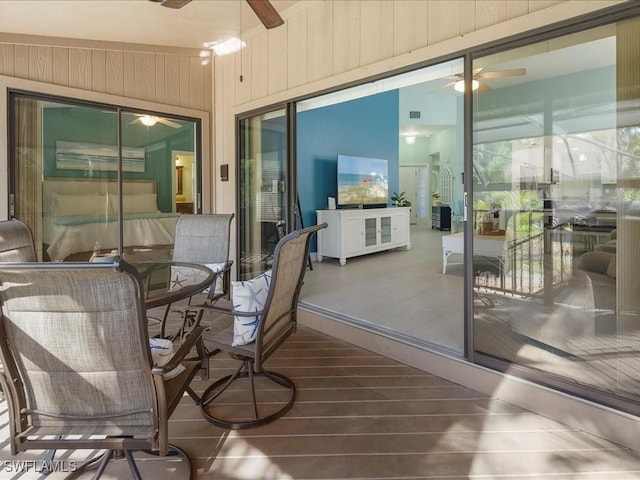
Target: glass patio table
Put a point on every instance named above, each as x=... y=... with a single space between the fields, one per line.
x=166 y=282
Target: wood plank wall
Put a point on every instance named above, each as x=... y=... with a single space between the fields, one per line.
x=176 y=79
x=165 y=79
x=325 y=44
x=322 y=39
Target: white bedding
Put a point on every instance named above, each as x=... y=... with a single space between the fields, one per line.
x=80 y=213
x=64 y=240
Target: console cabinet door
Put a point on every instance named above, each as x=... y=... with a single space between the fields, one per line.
x=386 y=236
x=370 y=232
x=353 y=240
x=399 y=228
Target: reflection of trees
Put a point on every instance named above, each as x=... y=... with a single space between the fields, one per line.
x=493 y=161
x=629 y=160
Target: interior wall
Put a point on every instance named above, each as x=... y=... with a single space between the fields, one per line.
x=168 y=80
x=92 y=126
x=327 y=44
x=366 y=127
x=171 y=78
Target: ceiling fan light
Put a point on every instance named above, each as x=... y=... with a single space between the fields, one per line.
x=148 y=120
x=232 y=45
x=459 y=85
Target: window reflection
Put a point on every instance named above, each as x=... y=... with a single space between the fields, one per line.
x=557 y=178
x=84 y=189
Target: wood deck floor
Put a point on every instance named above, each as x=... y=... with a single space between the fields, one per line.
x=360 y=415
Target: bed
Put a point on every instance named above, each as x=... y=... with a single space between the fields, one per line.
x=80 y=215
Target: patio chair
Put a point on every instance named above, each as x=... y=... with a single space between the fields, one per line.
x=265 y=315
x=202 y=239
x=16 y=242
x=78 y=370
x=16 y=245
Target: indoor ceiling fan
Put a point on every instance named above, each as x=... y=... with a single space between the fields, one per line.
x=263 y=9
x=151 y=120
x=479 y=74
x=148 y=120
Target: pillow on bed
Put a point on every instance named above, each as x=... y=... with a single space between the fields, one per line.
x=67 y=205
x=140 y=203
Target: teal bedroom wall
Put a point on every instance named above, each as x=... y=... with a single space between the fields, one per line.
x=91 y=125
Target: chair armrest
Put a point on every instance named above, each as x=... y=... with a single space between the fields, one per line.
x=184 y=349
x=225 y=311
x=224 y=274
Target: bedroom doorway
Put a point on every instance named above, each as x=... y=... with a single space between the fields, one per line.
x=93 y=178
x=184 y=182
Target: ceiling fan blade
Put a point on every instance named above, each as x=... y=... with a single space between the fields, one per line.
x=172 y=3
x=169 y=123
x=483 y=87
x=449 y=84
x=516 y=72
x=266 y=12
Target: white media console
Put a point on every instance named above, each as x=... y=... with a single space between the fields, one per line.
x=354 y=232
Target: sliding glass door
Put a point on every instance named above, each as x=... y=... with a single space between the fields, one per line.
x=412 y=124
x=262 y=189
x=90 y=179
x=556 y=155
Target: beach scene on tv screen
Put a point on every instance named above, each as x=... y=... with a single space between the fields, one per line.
x=362 y=181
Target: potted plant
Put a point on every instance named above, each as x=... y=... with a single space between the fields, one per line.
x=400 y=200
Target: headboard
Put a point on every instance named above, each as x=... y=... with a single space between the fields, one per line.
x=92 y=188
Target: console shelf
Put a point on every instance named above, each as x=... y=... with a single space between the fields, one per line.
x=351 y=233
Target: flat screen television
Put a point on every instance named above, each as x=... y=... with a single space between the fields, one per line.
x=362 y=181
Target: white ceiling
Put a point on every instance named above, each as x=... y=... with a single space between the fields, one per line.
x=132 y=21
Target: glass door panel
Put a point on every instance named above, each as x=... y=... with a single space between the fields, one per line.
x=556 y=189
x=84 y=189
x=158 y=180
x=370 y=232
x=385 y=229
x=62 y=183
x=262 y=190
x=414 y=121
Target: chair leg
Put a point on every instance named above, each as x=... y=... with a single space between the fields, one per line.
x=47 y=461
x=253 y=389
x=214 y=390
x=173 y=450
x=109 y=455
x=163 y=323
x=103 y=464
x=193 y=395
x=226 y=380
x=132 y=465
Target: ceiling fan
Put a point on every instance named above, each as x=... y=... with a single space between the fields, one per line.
x=263 y=9
x=148 y=120
x=151 y=120
x=479 y=74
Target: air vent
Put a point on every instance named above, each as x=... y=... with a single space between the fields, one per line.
x=414 y=114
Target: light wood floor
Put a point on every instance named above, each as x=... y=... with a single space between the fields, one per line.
x=401 y=290
x=359 y=415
